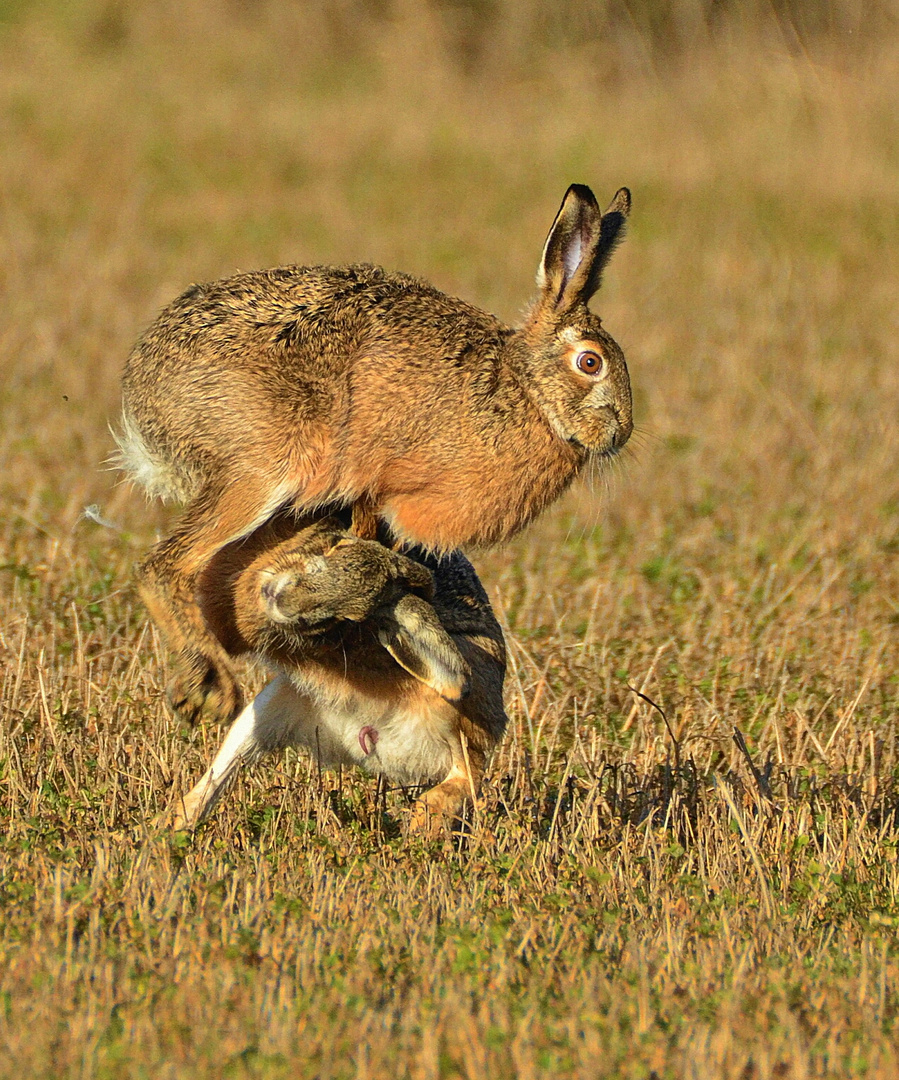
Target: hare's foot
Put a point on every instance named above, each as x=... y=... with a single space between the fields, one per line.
x=429 y=821
x=171 y=819
x=190 y=810
x=264 y=726
x=435 y=811
x=186 y=814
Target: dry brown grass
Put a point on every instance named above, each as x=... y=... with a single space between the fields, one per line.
x=623 y=902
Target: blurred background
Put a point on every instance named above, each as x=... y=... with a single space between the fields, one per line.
x=149 y=145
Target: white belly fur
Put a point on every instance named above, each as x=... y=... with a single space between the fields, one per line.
x=415 y=737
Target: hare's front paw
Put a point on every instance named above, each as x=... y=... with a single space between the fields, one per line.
x=204 y=689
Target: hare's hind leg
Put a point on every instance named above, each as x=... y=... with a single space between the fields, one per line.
x=264 y=726
x=169 y=579
x=439 y=806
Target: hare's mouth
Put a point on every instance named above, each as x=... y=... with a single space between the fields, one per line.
x=597 y=452
x=610 y=452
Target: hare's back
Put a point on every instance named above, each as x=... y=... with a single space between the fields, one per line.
x=296 y=317
x=252 y=363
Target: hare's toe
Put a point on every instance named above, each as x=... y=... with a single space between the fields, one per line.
x=176 y=820
x=224 y=699
x=172 y=819
x=185 y=702
x=434 y=812
x=427 y=823
x=169 y=820
x=214 y=693
x=186 y=813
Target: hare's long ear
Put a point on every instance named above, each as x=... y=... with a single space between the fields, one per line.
x=578 y=247
x=416 y=639
x=611 y=233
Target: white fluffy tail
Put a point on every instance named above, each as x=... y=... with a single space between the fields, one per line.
x=147 y=468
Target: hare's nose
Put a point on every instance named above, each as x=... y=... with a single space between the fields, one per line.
x=275 y=585
x=272 y=590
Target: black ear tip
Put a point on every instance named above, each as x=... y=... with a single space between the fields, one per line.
x=582 y=193
x=621 y=204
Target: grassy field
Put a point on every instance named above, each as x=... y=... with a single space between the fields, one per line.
x=638 y=894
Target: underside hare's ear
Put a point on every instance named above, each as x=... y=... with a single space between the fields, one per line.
x=578 y=247
x=416 y=639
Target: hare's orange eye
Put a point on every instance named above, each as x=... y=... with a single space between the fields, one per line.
x=589 y=363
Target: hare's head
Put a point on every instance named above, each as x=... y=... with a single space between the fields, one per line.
x=347 y=582
x=577 y=371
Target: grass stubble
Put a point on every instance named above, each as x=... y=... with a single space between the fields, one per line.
x=636 y=892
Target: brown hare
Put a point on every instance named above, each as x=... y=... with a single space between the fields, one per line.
x=312 y=387
x=383 y=661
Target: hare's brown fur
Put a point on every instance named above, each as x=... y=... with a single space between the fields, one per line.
x=329 y=648
x=305 y=387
